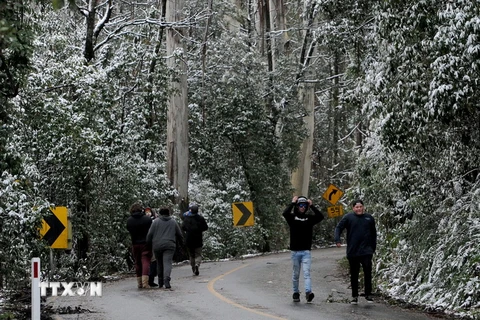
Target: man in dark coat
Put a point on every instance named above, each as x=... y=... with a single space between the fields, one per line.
x=194 y=225
x=301 y=233
x=138 y=225
x=361 y=245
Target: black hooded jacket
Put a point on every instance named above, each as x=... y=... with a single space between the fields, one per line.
x=194 y=225
x=361 y=234
x=138 y=225
x=301 y=226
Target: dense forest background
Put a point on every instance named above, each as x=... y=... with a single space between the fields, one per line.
x=380 y=97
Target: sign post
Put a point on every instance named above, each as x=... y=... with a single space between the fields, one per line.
x=35 y=288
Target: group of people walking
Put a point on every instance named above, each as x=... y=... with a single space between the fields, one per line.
x=155 y=239
x=361 y=244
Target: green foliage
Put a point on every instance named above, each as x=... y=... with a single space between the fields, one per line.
x=15 y=51
x=343 y=36
x=223 y=239
x=417 y=169
x=233 y=134
x=20 y=214
x=91 y=136
x=91 y=143
x=21 y=204
x=58 y=4
x=15 y=47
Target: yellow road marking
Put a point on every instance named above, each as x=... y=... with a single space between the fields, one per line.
x=219 y=296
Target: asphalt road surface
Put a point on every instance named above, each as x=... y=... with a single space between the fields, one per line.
x=253 y=288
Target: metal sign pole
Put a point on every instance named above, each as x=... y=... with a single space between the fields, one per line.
x=52 y=264
x=35 y=288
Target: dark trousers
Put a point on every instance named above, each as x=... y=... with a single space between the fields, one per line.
x=366 y=263
x=195 y=256
x=164 y=259
x=153 y=272
x=142 y=257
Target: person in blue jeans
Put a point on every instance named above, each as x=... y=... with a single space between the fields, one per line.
x=301 y=233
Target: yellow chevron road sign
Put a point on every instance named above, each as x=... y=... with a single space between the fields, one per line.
x=56 y=229
x=243 y=214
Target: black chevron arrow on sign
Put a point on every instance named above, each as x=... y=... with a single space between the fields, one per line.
x=56 y=228
x=245 y=212
x=334 y=191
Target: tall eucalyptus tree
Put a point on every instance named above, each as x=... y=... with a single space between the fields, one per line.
x=306 y=90
x=177 y=126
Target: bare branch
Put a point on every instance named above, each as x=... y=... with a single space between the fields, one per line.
x=186 y=23
x=106 y=17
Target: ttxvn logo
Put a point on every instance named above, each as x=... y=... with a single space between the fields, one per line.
x=72 y=288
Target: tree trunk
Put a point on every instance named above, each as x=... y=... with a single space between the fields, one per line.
x=204 y=58
x=89 y=42
x=281 y=41
x=301 y=176
x=177 y=118
x=93 y=26
x=334 y=107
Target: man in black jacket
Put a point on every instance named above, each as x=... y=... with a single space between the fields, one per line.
x=194 y=225
x=301 y=233
x=138 y=225
x=361 y=245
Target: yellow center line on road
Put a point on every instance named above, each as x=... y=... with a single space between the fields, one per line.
x=211 y=288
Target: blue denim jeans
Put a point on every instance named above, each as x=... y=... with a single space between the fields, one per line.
x=301 y=259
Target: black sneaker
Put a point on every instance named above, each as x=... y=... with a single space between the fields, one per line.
x=166 y=282
x=309 y=296
x=152 y=284
x=369 y=299
x=296 y=297
x=196 y=271
x=354 y=300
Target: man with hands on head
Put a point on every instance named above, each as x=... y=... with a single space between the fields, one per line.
x=301 y=234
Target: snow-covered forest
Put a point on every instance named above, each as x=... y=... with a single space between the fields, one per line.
x=105 y=103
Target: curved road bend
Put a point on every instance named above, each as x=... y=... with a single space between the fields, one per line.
x=254 y=288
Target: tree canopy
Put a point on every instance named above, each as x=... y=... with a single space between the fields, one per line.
x=84 y=100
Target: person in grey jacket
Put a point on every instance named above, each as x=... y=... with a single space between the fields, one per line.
x=361 y=245
x=162 y=237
